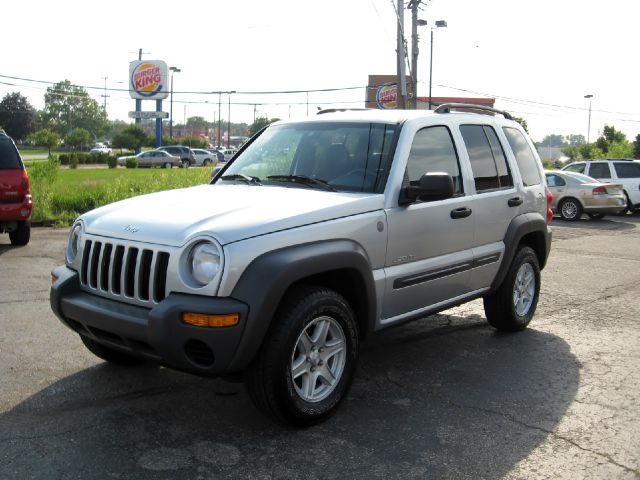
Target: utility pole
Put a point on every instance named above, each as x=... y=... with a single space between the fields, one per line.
x=105 y=94
x=414 y=53
x=402 y=87
x=229 y=121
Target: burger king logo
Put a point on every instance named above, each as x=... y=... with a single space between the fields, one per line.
x=146 y=79
x=387 y=96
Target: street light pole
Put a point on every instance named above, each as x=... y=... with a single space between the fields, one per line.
x=589 y=96
x=173 y=70
x=439 y=24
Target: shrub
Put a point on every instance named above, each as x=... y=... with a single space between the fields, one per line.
x=42 y=176
x=73 y=160
x=64 y=158
x=83 y=158
x=132 y=163
x=112 y=161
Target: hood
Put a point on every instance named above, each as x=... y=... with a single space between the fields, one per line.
x=228 y=213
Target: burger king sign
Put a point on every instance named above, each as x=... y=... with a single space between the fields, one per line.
x=148 y=80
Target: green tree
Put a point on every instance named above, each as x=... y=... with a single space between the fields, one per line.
x=553 y=141
x=609 y=136
x=573 y=152
x=67 y=106
x=124 y=140
x=620 y=150
x=45 y=138
x=77 y=137
x=260 y=123
x=591 y=151
x=16 y=116
x=131 y=138
x=197 y=123
x=574 y=139
x=636 y=147
x=522 y=122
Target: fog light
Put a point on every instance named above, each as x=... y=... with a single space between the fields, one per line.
x=54 y=279
x=204 y=320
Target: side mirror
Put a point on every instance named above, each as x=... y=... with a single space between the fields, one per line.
x=433 y=186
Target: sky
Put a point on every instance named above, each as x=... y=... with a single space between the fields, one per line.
x=537 y=58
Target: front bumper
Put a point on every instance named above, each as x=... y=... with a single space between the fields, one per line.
x=157 y=334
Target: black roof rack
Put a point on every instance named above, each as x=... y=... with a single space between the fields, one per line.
x=448 y=107
x=333 y=110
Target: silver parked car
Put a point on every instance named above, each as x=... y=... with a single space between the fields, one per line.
x=153 y=158
x=575 y=194
x=204 y=157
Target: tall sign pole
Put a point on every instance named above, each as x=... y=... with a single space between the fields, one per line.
x=414 y=53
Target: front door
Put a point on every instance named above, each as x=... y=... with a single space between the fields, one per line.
x=429 y=252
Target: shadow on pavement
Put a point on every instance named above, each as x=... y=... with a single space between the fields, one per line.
x=610 y=222
x=443 y=397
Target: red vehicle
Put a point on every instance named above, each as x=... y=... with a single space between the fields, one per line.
x=15 y=194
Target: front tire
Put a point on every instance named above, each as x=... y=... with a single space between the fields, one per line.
x=109 y=354
x=20 y=236
x=512 y=306
x=307 y=361
x=185 y=163
x=570 y=209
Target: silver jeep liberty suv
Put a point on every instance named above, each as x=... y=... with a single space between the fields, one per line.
x=317 y=234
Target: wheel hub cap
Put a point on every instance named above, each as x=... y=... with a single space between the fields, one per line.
x=524 y=289
x=318 y=359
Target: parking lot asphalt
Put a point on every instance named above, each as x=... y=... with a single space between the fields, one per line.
x=444 y=397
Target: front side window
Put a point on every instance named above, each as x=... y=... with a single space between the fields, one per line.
x=433 y=151
x=627 y=169
x=488 y=162
x=599 y=170
x=575 y=167
x=526 y=160
x=349 y=156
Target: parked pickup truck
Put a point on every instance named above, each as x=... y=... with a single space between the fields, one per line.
x=317 y=234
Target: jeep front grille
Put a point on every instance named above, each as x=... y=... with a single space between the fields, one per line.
x=133 y=273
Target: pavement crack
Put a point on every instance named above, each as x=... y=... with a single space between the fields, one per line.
x=554 y=434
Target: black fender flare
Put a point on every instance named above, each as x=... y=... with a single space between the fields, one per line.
x=520 y=227
x=267 y=278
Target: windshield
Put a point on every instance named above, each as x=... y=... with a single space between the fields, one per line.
x=325 y=155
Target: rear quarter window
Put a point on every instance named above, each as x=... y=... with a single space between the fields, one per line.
x=627 y=169
x=526 y=160
x=9 y=157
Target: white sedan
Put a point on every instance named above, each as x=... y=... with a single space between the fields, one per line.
x=204 y=157
x=153 y=158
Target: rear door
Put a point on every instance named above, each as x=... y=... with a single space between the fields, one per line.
x=496 y=200
x=429 y=242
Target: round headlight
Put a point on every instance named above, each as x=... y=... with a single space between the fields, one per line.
x=74 y=242
x=205 y=262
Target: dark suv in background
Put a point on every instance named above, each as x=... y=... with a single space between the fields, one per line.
x=185 y=154
x=15 y=194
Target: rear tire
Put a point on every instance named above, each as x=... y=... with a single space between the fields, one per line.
x=21 y=235
x=307 y=361
x=109 y=354
x=168 y=165
x=206 y=163
x=512 y=306
x=570 y=209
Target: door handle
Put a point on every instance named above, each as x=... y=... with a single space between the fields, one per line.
x=460 y=212
x=515 y=202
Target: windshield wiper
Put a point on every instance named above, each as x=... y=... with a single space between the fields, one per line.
x=304 y=179
x=241 y=176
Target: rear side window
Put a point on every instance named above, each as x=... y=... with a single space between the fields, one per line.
x=432 y=150
x=627 y=169
x=9 y=157
x=555 y=181
x=599 y=170
x=526 y=160
x=488 y=162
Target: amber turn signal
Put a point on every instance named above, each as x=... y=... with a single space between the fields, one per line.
x=53 y=279
x=205 y=320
